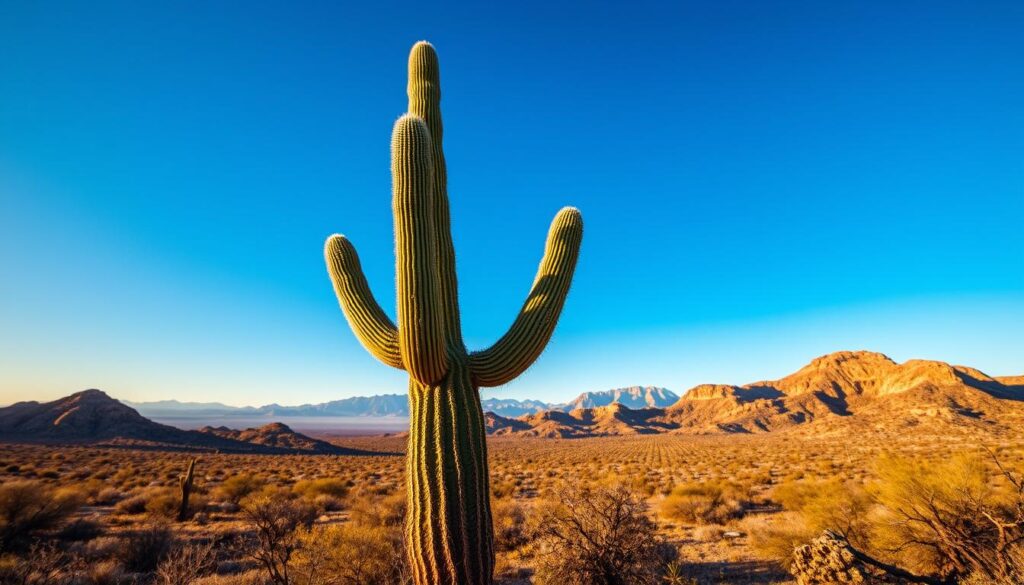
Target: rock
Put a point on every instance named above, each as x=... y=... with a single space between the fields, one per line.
x=830 y=559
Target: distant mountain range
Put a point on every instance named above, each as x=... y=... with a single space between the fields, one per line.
x=849 y=391
x=93 y=417
x=398 y=405
x=861 y=391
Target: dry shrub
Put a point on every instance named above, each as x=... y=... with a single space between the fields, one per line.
x=776 y=539
x=816 y=506
x=704 y=503
x=142 y=550
x=949 y=518
x=708 y=533
x=238 y=487
x=28 y=507
x=81 y=530
x=378 y=511
x=164 y=503
x=350 y=554
x=108 y=572
x=327 y=486
x=510 y=530
x=131 y=505
x=277 y=517
x=247 y=578
x=597 y=536
x=42 y=565
x=185 y=564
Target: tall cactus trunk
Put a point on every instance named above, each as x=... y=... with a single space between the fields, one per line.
x=448 y=527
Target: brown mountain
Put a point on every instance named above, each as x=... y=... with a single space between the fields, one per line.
x=277 y=436
x=859 y=389
x=92 y=417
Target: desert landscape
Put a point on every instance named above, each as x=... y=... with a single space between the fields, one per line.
x=663 y=293
x=726 y=485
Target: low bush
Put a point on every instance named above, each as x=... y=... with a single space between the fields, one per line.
x=141 y=550
x=236 y=488
x=597 y=536
x=352 y=554
x=704 y=503
x=29 y=507
x=328 y=486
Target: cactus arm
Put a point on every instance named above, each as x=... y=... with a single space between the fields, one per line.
x=421 y=335
x=525 y=340
x=368 y=321
x=424 y=92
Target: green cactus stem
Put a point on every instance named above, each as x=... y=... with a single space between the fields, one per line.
x=448 y=524
x=185 y=483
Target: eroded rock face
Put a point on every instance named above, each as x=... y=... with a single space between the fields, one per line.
x=829 y=560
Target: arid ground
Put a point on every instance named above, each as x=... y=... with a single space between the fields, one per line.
x=718 y=535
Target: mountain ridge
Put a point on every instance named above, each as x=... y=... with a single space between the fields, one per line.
x=858 y=389
x=93 y=417
x=381 y=405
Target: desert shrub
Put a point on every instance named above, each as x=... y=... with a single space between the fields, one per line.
x=675 y=574
x=141 y=550
x=236 y=488
x=350 y=554
x=596 y=536
x=105 y=572
x=80 y=530
x=135 y=504
x=708 y=533
x=28 y=507
x=247 y=578
x=277 y=519
x=163 y=504
x=107 y=497
x=327 y=486
x=948 y=518
x=815 y=506
x=778 y=538
x=42 y=565
x=185 y=564
x=704 y=503
x=510 y=530
x=377 y=511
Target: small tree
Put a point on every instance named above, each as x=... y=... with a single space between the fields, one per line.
x=276 y=520
x=597 y=537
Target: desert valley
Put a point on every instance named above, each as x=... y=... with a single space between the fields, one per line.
x=724 y=482
x=616 y=236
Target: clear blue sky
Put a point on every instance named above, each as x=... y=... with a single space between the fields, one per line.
x=762 y=182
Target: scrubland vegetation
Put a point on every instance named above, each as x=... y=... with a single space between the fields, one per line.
x=648 y=509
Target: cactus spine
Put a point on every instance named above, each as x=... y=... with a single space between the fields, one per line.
x=448 y=525
x=185 y=483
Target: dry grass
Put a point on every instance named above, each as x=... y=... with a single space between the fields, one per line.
x=729 y=505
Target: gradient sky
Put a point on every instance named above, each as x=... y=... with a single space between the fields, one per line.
x=762 y=183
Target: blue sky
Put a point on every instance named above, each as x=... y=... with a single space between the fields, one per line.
x=761 y=183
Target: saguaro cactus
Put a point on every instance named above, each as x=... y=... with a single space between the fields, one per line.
x=448 y=526
x=185 y=483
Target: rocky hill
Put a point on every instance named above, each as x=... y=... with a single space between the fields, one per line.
x=92 y=417
x=852 y=390
x=276 y=436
